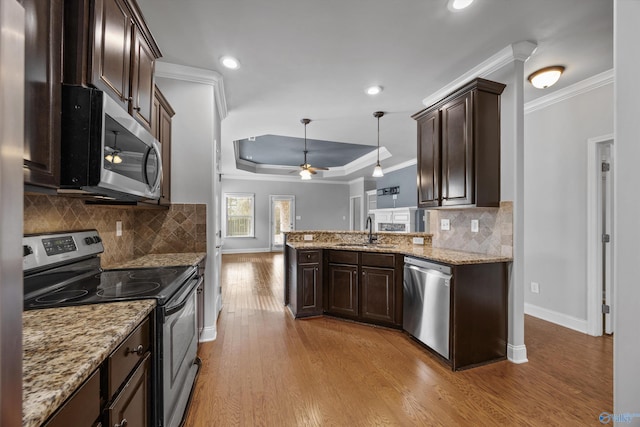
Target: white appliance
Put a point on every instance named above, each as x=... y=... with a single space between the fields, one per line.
x=398 y=220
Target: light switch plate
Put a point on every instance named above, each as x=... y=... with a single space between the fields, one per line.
x=445 y=225
x=535 y=287
x=308 y=237
x=474 y=226
x=298 y=217
x=118 y=228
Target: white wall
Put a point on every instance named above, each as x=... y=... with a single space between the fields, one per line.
x=556 y=199
x=195 y=127
x=626 y=235
x=356 y=188
x=320 y=206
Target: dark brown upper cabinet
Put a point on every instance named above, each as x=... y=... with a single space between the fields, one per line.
x=43 y=75
x=459 y=147
x=108 y=45
x=161 y=116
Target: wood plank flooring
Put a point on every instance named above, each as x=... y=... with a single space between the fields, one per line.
x=267 y=369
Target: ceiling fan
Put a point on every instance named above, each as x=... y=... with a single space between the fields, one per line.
x=306 y=170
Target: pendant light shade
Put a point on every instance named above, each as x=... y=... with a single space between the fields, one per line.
x=377 y=171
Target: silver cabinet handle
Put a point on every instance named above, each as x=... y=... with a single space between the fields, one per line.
x=122 y=423
x=139 y=350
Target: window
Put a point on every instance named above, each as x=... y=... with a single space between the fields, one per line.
x=238 y=215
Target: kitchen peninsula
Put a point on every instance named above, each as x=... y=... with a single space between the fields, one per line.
x=341 y=274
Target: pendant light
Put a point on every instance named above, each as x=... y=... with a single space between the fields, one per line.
x=114 y=157
x=305 y=173
x=377 y=171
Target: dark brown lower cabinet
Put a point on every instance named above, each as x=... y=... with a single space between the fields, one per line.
x=131 y=405
x=82 y=408
x=378 y=296
x=303 y=281
x=343 y=290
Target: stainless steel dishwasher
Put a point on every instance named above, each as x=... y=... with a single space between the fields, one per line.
x=426 y=303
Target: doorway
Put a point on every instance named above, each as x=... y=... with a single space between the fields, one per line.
x=355 y=213
x=601 y=289
x=281 y=218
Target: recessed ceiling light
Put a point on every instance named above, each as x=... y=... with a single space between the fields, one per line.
x=230 y=62
x=459 y=4
x=374 y=90
x=545 y=77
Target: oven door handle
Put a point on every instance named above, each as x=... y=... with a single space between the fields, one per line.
x=179 y=306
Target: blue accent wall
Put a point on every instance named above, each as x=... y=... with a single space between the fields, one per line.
x=406 y=179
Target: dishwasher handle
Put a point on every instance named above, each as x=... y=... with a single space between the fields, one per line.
x=428 y=265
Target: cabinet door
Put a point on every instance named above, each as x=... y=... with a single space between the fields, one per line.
x=132 y=404
x=457 y=152
x=111 y=55
x=143 y=61
x=378 y=294
x=343 y=290
x=310 y=289
x=165 y=135
x=43 y=74
x=429 y=160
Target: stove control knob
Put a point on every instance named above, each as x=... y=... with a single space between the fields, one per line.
x=97 y=239
x=26 y=250
x=88 y=240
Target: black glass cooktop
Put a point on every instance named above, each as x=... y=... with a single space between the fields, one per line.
x=109 y=285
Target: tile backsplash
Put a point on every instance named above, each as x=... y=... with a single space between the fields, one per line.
x=181 y=228
x=495 y=231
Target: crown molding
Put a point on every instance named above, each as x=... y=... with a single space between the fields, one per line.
x=196 y=75
x=362 y=162
x=278 y=178
x=520 y=51
x=576 y=89
x=356 y=180
x=399 y=166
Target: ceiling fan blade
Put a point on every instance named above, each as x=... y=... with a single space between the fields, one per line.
x=320 y=168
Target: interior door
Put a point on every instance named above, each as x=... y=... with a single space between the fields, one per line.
x=355 y=212
x=281 y=219
x=606 y=203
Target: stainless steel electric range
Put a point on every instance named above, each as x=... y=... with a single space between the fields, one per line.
x=63 y=269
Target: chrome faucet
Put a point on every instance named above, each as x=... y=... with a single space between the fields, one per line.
x=369 y=225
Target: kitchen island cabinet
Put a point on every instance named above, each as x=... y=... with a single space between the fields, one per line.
x=303 y=282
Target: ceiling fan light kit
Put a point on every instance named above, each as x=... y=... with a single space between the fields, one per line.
x=377 y=171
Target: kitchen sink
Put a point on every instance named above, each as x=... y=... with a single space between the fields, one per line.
x=365 y=245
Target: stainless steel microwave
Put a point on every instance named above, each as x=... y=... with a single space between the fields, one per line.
x=104 y=151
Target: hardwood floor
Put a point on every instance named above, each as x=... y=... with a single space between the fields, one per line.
x=267 y=369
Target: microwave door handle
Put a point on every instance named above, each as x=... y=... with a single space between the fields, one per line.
x=144 y=169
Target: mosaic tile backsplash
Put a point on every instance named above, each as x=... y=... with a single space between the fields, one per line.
x=181 y=228
x=495 y=231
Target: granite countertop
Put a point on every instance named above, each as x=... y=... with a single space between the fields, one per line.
x=446 y=256
x=164 y=260
x=63 y=346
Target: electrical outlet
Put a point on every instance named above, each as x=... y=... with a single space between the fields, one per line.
x=445 y=225
x=474 y=225
x=298 y=217
x=308 y=237
x=118 y=228
x=535 y=287
x=418 y=240
x=395 y=197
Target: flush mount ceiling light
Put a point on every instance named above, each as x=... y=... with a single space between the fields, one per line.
x=456 y=5
x=373 y=90
x=230 y=62
x=546 y=77
x=377 y=171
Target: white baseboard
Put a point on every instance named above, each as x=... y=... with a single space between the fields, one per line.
x=580 y=325
x=209 y=333
x=245 y=251
x=517 y=353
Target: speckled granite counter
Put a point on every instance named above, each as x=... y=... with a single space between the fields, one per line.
x=164 y=260
x=63 y=346
x=400 y=243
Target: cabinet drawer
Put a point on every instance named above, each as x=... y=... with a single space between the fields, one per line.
x=378 y=260
x=132 y=403
x=308 y=256
x=82 y=408
x=343 y=257
x=126 y=357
